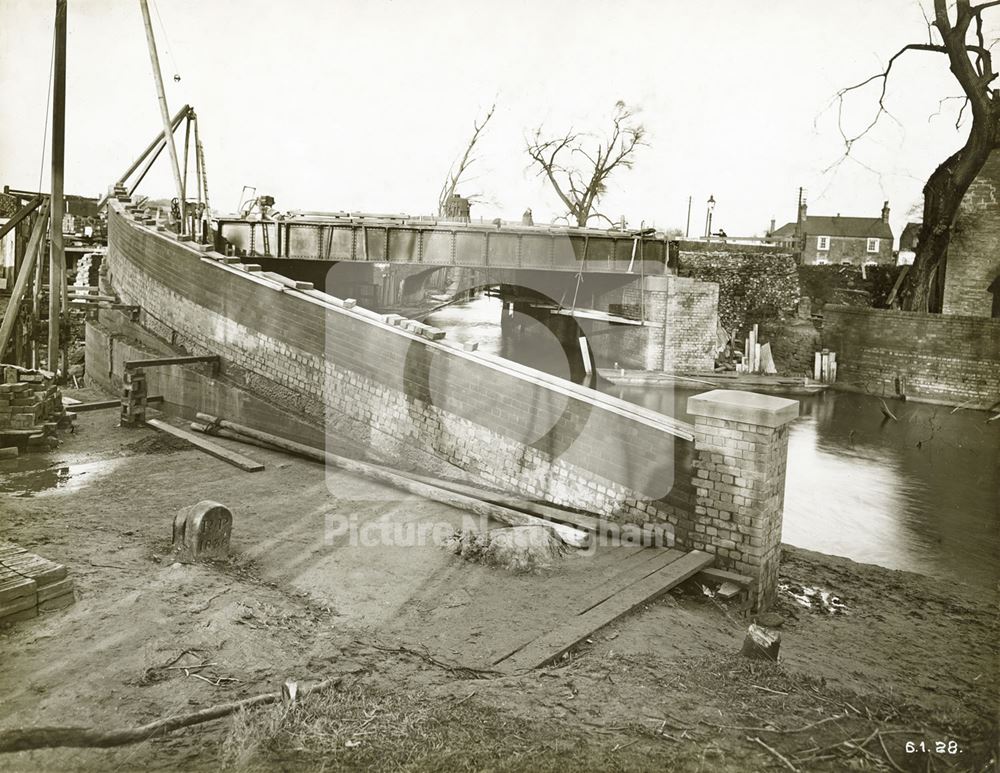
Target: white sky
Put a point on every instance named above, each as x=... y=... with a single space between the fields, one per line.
x=363 y=104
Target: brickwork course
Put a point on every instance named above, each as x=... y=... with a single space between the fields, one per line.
x=942 y=358
x=973 y=266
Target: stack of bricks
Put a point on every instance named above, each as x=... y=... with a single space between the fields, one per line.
x=30 y=408
x=30 y=584
x=133 y=412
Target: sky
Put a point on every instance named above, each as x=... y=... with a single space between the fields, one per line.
x=362 y=105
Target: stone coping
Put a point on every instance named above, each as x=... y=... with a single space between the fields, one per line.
x=746 y=407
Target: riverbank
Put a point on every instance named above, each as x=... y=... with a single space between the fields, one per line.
x=405 y=628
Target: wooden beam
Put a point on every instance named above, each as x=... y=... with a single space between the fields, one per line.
x=18 y=216
x=157 y=361
x=57 y=255
x=567 y=534
x=214 y=449
x=102 y=404
x=24 y=276
x=564 y=637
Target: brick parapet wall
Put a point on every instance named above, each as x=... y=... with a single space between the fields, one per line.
x=974 y=252
x=935 y=357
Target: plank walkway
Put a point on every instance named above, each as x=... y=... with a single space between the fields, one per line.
x=642 y=580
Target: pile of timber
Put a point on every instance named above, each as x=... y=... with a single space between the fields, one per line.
x=31 y=408
x=30 y=584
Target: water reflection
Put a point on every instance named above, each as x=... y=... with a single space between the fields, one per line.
x=921 y=493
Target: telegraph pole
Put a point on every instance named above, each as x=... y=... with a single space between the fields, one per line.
x=57 y=254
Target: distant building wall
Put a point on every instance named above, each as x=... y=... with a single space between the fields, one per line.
x=755 y=282
x=974 y=253
x=933 y=357
x=846 y=249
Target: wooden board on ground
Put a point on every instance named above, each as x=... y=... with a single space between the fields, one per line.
x=633 y=568
x=552 y=645
x=235 y=459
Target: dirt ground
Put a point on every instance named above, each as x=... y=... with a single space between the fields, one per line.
x=325 y=582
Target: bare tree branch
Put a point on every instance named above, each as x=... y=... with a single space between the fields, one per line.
x=580 y=186
x=457 y=172
x=970 y=62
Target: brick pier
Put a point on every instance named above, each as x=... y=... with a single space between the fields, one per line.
x=741 y=446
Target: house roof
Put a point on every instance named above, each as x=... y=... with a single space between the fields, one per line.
x=824 y=225
x=908 y=239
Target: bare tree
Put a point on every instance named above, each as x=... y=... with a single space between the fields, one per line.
x=579 y=174
x=460 y=167
x=959 y=36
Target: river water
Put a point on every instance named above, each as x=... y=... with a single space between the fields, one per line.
x=921 y=493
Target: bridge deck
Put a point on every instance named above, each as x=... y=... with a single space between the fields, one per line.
x=434 y=243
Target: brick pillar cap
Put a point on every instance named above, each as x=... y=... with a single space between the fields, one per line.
x=746 y=407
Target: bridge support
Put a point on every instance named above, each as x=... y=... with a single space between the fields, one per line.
x=679 y=336
x=741 y=447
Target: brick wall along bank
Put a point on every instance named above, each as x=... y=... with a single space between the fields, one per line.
x=934 y=357
x=407 y=399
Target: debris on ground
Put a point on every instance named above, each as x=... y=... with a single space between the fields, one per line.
x=516 y=548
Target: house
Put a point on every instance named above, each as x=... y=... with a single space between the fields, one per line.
x=908 y=244
x=823 y=239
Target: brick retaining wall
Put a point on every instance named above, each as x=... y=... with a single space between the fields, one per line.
x=402 y=396
x=934 y=357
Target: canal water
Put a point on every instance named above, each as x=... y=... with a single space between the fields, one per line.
x=921 y=493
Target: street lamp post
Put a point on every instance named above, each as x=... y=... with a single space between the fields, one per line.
x=708 y=217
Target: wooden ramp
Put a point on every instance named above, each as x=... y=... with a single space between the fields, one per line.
x=645 y=576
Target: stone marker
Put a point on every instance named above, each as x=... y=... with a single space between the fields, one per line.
x=203 y=530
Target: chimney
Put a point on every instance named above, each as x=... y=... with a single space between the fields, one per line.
x=885 y=212
x=771 y=229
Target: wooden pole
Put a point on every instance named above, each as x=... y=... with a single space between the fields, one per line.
x=57 y=257
x=155 y=145
x=24 y=276
x=569 y=535
x=145 y=170
x=168 y=134
x=174 y=123
x=184 y=169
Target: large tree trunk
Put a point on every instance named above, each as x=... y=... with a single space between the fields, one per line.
x=923 y=287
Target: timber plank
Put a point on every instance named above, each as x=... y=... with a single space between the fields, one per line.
x=552 y=645
x=634 y=567
x=214 y=449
